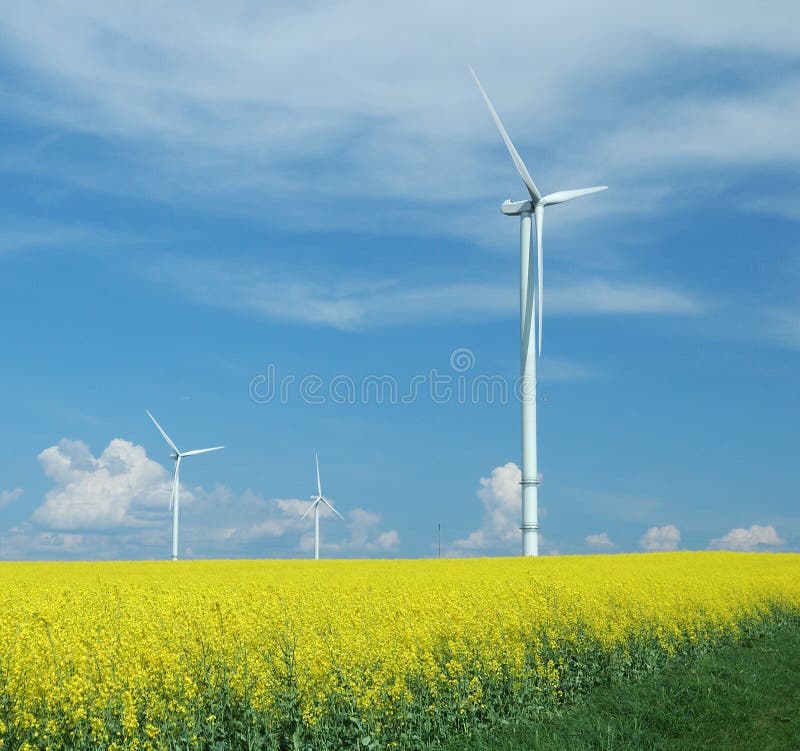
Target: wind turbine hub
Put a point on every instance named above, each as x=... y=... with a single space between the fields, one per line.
x=515 y=208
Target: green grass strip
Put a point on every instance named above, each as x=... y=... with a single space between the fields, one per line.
x=744 y=697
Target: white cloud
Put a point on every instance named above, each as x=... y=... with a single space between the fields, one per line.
x=21 y=238
x=782 y=203
x=747 y=539
x=369 y=302
x=556 y=369
x=116 y=505
x=724 y=129
x=370 y=137
x=203 y=92
x=365 y=533
x=66 y=542
x=273 y=517
x=615 y=505
x=120 y=488
x=387 y=540
x=601 y=540
x=590 y=296
x=28 y=541
x=8 y=496
x=784 y=327
x=501 y=496
x=225 y=524
x=661 y=539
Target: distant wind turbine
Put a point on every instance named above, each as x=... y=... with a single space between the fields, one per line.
x=524 y=209
x=315 y=501
x=174 y=502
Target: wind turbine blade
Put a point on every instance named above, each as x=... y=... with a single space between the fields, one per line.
x=331 y=508
x=161 y=430
x=319 y=484
x=201 y=451
x=309 y=509
x=568 y=195
x=539 y=210
x=520 y=165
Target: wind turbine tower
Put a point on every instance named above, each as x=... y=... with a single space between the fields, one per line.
x=530 y=283
x=315 y=502
x=174 y=502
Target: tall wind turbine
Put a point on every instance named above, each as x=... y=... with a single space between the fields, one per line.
x=315 y=501
x=535 y=205
x=174 y=502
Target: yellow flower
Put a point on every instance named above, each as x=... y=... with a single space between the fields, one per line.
x=137 y=646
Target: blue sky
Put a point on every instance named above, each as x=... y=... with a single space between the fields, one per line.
x=196 y=195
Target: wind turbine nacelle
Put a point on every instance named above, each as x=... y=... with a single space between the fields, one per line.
x=515 y=208
x=174 y=457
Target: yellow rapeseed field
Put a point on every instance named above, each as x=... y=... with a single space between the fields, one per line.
x=142 y=655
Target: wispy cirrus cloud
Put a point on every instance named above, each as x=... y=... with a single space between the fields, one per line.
x=195 y=108
x=611 y=297
x=202 y=90
x=727 y=129
x=349 y=302
x=783 y=326
x=19 y=237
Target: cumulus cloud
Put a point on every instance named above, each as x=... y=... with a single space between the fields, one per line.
x=387 y=540
x=280 y=521
x=364 y=534
x=64 y=541
x=120 y=488
x=8 y=496
x=27 y=541
x=501 y=497
x=659 y=539
x=261 y=518
x=747 y=539
x=601 y=541
x=116 y=505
